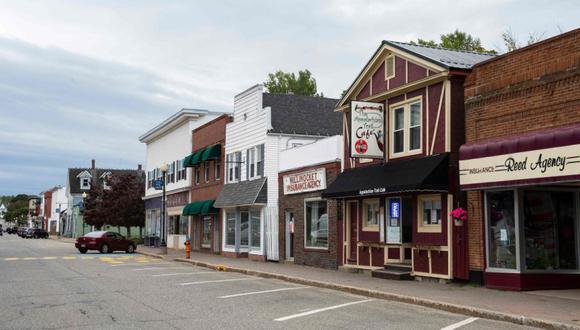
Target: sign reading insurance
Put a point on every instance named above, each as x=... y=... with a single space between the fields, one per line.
x=553 y=164
x=305 y=181
x=367 y=130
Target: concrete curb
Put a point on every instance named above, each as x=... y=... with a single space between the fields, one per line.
x=449 y=307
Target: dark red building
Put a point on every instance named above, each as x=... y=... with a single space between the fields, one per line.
x=403 y=126
x=521 y=166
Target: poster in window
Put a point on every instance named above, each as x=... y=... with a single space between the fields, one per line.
x=367 y=130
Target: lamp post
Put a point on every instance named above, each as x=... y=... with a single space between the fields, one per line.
x=84 y=195
x=164 y=167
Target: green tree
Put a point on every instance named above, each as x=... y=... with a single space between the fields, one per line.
x=282 y=82
x=457 y=40
x=17 y=209
x=124 y=206
x=93 y=207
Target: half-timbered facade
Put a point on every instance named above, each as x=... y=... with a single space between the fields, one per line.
x=403 y=123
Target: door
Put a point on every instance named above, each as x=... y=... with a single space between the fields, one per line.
x=244 y=228
x=216 y=234
x=289 y=235
x=353 y=230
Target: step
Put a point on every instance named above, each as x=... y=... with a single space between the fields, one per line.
x=399 y=267
x=392 y=274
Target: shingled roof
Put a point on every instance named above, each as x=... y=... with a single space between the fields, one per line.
x=307 y=115
x=74 y=183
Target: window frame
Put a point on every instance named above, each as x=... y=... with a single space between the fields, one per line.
x=389 y=57
x=197 y=175
x=217 y=169
x=365 y=225
x=306 y=236
x=406 y=105
x=206 y=172
x=429 y=228
x=86 y=186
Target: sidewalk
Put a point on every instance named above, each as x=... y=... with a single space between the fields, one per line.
x=546 y=309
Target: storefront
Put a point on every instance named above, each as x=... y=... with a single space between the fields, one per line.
x=176 y=223
x=309 y=223
x=205 y=228
x=530 y=185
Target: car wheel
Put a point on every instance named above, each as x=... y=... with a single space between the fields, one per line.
x=131 y=248
x=105 y=248
x=83 y=251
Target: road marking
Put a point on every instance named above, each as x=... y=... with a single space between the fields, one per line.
x=11 y=259
x=177 y=274
x=289 y=317
x=69 y=258
x=155 y=268
x=218 y=281
x=460 y=324
x=87 y=258
x=261 y=292
x=49 y=258
x=29 y=258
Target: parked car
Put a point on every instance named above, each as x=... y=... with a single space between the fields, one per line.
x=105 y=242
x=12 y=230
x=36 y=233
x=21 y=231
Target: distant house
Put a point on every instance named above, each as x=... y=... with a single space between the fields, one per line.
x=80 y=180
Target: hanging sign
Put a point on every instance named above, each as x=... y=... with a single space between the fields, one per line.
x=367 y=130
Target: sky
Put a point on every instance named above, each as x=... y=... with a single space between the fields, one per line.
x=82 y=80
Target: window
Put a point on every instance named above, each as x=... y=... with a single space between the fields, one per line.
x=389 y=67
x=316 y=224
x=237 y=164
x=85 y=183
x=233 y=163
x=171 y=172
x=217 y=169
x=500 y=212
x=429 y=211
x=206 y=171
x=244 y=228
x=252 y=163
x=255 y=229
x=255 y=162
x=231 y=228
x=260 y=160
x=177 y=225
x=197 y=174
x=183 y=171
x=206 y=239
x=371 y=214
x=405 y=125
x=179 y=169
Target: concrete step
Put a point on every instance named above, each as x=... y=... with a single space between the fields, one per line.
x=399 y=267
x=392 y=274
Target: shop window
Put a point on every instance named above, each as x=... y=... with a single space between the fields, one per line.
x=244 y=228
x=501 y=229
x=206 y=171
x=390 y=67
x=255 y=229
x=217 y=169
x=231 y=228
x=429 y=213
x=549 y=227
x=177 y=225
x=206 y=239
x=316 y=224
x=405 y=128
x=371 y=214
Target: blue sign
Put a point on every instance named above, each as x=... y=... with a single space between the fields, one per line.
x=158 y=184
x=395 y=208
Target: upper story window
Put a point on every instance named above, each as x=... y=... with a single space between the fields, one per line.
x=206 y=171
x=390 y=67
x=255 y=158
x=178 y=169
x=217 y=169
x=197 y=174
x=233 y=161
x=85 y=183
x=405 y=127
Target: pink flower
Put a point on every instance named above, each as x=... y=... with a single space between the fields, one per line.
x=459 y=214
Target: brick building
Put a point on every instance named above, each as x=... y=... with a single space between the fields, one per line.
x=521 y=166
x=310 y=225
x=206 y=161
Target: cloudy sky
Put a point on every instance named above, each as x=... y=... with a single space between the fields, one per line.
x=83 y=79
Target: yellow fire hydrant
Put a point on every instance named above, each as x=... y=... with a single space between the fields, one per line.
x=187 y=249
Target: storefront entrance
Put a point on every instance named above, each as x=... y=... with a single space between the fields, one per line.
x=289 y=216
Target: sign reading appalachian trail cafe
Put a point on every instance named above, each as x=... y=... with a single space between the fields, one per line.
x=544 y=165
x=312 y=180
x=367 y=130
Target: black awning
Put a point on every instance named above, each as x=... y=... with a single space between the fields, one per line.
x=419 y=174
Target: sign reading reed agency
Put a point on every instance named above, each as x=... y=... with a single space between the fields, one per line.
x=367 y=130
x=305 y=181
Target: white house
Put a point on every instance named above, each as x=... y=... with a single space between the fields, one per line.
x=263 y=125
x=168 y=143
x=59 y=203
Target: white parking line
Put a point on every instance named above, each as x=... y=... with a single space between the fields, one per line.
x=289 y=317
x=218 y=281
x=156 y=268
x=460 y=324
x=260 y=292
x=177 y=274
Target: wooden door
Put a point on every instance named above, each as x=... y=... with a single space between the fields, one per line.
x=460 y=252
x=353 y=230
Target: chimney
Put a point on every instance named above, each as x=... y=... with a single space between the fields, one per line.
x=139 y=167
x=93 y=164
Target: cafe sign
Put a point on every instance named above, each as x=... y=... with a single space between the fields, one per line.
x=552 y=165
x=305 y=181
x=367 y=130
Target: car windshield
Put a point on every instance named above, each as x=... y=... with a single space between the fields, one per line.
x=95 y=234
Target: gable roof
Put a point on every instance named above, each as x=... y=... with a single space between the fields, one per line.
x=304 y=115
x=97 y=173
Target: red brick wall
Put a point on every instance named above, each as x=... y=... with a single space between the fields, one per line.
x=531 y=89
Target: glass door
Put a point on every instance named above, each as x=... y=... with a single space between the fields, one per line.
x=244 y=228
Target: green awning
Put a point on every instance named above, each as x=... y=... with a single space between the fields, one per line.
x=196 y=158
x=187 y=161
x=199 y=208
x=207 y=207
x=212 y=152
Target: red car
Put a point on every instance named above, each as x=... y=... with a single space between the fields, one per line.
x=105 y=242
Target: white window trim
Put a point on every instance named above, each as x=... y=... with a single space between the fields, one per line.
x=306 y=246
x=423 y=228
x=85 y=186
x=206 y=171
x=217 y=171
x=197 y=175
x=387 y=77
x=406 y=105
x=365 y=225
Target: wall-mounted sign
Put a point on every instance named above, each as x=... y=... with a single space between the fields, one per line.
x=394 y=223
x=367 y=130
x=305 y=181
x=158 y=184
x=523 y=167
x=395 y=208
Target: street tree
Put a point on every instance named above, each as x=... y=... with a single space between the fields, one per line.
x=93 y=208
x=282 y=82
x=125 y=208
x=457 y=40
x=17 y=209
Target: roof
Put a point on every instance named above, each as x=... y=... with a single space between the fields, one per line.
x=304 y=115
x=419 y=174
x=175 y=120
x=242 y=193
x=74 y=182
x=447 y=58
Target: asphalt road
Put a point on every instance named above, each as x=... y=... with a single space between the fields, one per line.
x=48 y=284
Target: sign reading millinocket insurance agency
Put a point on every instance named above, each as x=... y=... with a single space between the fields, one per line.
x=302 y=182
x=367 y=130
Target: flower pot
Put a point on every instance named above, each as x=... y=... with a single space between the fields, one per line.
x=458 y=222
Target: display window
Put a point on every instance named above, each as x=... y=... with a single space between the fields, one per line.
x=316 y=224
